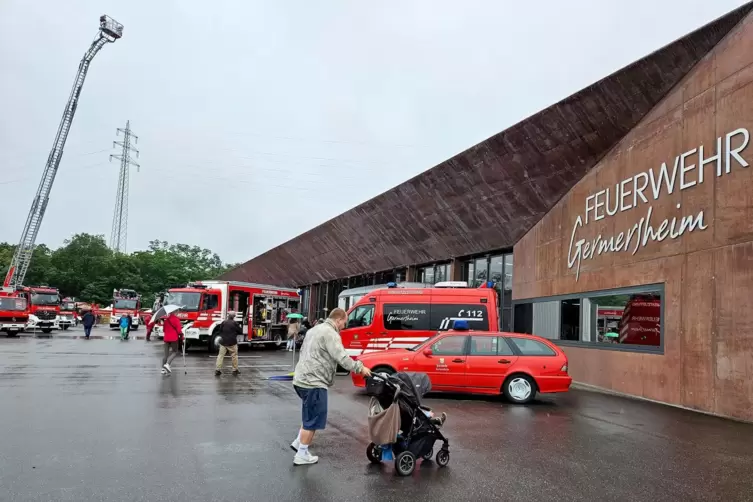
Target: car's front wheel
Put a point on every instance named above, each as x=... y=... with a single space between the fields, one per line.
x=519 y=389
x=383 y=369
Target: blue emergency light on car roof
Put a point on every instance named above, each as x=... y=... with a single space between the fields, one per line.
x=460 y=325
x=391 y=284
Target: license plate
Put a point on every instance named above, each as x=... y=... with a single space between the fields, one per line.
x=12 y=329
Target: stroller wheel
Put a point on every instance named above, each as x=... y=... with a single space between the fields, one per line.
x=429 y=455
x=443 y=458
x=405 y=463
x=374 y=453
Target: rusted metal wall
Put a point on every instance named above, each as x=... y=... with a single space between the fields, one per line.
x=489 y=196
x=707 y=274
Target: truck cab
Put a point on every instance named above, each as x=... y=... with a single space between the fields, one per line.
x=68 y=315
x=125 y=302
x=43 y=308
x=13 y=313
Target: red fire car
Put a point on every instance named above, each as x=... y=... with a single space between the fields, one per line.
x=481 y=362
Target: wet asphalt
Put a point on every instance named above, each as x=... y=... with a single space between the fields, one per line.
x=95 y=421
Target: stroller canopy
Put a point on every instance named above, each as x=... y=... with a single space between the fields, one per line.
x=413 y=385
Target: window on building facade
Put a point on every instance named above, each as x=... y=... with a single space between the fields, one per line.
x=623 y=318
x=481 y=272
x=426 y=275
x=441 y=273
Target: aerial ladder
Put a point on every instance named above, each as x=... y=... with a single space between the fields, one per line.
x=109 y=31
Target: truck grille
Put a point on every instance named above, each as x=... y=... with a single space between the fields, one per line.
x=12 y=319
x=45 y=315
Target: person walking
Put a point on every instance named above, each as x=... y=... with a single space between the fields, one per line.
x=292 y=333
x=321 y=353
x=123 y=323
x=229 y=331
x=129 y=327
x=172 y=335
x=88 y=321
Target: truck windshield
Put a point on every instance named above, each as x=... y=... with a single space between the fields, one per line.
x=187 y=300
x=8 y=303
x=120 y=303
x=44 y=299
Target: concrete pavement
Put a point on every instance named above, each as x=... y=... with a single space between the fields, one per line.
x=94 y=420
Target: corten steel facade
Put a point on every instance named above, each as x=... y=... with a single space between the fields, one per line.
x=705 y=267
x=523 y=189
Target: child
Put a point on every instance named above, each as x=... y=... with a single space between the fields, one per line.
x=123 y=327
x=438 y=421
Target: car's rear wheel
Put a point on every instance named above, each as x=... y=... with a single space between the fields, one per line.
x=519 y=389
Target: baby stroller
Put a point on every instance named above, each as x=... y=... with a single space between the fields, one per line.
x=418 y=432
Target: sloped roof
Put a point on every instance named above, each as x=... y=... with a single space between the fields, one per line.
x=490 y=195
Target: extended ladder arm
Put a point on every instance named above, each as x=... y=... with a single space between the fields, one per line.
x=109 y=32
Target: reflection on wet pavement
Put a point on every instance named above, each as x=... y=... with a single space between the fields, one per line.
x=95 y=420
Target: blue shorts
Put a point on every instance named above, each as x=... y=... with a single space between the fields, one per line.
x=313 y=408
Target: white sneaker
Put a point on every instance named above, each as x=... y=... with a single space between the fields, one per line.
x=167 y=368
x=295 y=445
x=305 y=459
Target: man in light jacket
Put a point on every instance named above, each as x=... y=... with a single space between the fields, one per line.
x=321 y=352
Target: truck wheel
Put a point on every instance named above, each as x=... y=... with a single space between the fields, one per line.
x=214 y=342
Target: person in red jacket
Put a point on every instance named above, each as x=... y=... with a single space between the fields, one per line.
x=172 y=331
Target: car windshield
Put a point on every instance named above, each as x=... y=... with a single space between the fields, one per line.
x=8 y=303
x=68 y=306
x=44 y=299
x=415 y=348
x=121 y=303
x=187 y=300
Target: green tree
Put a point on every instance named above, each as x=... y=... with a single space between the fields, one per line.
x=85 y=268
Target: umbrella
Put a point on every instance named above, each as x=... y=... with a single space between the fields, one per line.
x=163 y=311
x=295 y=316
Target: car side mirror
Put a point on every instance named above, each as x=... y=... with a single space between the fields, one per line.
x=427 y=352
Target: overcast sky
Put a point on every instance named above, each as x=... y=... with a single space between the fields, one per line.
x=259 y=120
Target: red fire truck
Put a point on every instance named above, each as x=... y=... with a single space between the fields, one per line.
x=124 y=302
x=43 y=307
x=260 y=309
x=13 y=312
x=68 y=313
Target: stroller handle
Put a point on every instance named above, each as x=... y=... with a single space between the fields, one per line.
x=378 y=376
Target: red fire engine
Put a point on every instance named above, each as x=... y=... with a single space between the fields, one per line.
x=43 y=307
x=125 y=302
x=260 y=309
x=13 y=312
x=68 y=313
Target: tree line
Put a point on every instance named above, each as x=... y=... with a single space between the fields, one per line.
x=87 y=269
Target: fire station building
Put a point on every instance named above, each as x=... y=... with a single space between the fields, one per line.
x=631 y=199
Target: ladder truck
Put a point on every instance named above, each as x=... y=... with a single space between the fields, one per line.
x=109 y=31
